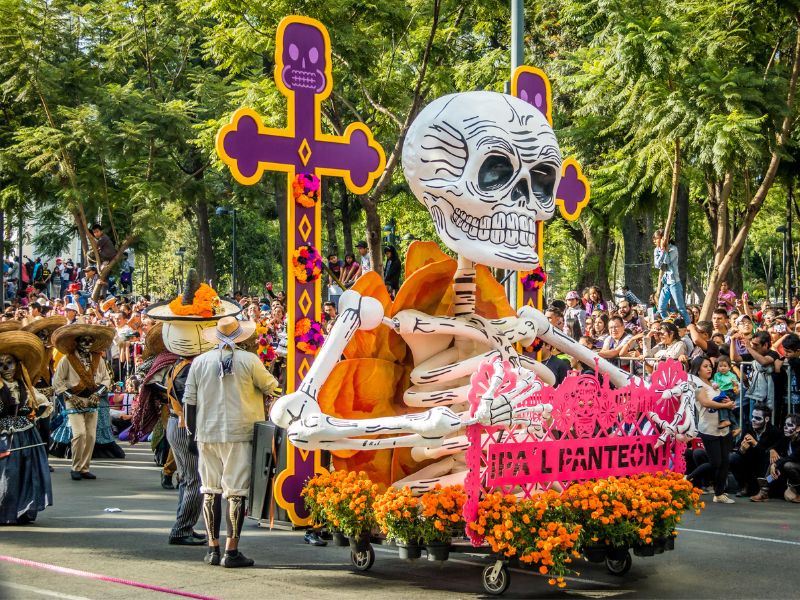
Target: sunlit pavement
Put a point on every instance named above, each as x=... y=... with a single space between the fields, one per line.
x=737 y=551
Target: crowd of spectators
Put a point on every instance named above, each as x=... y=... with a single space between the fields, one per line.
x=748 y=358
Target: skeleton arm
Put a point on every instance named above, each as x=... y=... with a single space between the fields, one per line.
x=356 y=312
x=563 y=343
x=300 y=413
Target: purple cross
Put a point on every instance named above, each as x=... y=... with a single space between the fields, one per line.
x=303 y=74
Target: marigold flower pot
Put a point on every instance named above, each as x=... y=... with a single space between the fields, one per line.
x=409 y=551
x=438 y=551
x=339 y=539
x=359 y=543
x=595 y=553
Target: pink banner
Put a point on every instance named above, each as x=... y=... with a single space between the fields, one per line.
x=581 y=430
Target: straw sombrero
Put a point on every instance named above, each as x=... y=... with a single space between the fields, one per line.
x=64 y=339
x=10 y=326
x=230 y=328
x=199 y=302
x=153 y=342
x=47 y=323
x=25 y=347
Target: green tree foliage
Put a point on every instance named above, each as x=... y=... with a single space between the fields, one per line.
x=110 y=109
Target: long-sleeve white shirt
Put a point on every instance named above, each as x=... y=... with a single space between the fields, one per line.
x=228 y=407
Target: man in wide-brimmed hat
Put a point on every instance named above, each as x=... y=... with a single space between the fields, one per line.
x=24 y=476
x=82 y=376
x=42 y=379
x=224 y=398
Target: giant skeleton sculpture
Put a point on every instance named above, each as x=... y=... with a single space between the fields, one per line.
x=487 y=167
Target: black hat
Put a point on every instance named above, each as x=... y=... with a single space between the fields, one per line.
x=91 y=268
x=361 y=244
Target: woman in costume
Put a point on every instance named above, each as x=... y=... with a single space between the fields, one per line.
x=82 y=379
x=25 y=488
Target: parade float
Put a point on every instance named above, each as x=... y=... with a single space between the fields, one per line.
x=444 y=429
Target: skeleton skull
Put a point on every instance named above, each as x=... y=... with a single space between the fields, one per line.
x=8 y=367
x=486 y=166
x=303 y=58
x=84 y=343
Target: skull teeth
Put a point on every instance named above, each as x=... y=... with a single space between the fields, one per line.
x=511 y=229
x=304 y=79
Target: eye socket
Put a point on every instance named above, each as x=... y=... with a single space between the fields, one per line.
x=294 y=51
x=313 y=55
x=543 y=180
x=495 y=172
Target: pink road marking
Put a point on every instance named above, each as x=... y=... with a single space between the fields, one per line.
x=98 y=577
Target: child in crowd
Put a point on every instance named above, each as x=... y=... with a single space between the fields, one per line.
x=727 y=382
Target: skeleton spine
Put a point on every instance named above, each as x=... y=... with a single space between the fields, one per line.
x=464 y=286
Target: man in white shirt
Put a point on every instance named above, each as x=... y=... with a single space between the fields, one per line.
x=224 y=398
x=616 y=340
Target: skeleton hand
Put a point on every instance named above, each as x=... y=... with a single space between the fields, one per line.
x=502 y=409
x=293 y=407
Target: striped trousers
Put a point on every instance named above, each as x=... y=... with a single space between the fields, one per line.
x=190 y=501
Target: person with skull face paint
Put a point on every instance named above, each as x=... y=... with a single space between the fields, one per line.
x=25 y=477
x=82 y=377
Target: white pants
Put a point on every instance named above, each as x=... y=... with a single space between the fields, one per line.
x=225 y=468
x=84 y=433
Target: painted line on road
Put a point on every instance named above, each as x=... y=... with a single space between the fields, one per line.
x=98 y=577
x=739 y=535
x=514 y=569
x=40 y=591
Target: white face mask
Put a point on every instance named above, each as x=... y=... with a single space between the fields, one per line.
x=8 y=367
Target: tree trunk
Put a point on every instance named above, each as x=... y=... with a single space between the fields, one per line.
x=682 y=233
x=673 y=198
x=723 y=262
x=205 y=249
x=595 y=271
x=329 y=216
x=736 y=277
x=373 y=233
x=102 y=276
x=346 y=207
x=636 y=234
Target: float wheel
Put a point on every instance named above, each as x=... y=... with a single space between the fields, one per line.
x=496 y=578
x=363 y=561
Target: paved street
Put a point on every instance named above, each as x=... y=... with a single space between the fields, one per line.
x=754 y=549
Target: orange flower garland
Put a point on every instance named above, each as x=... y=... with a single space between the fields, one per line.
x=306 y=189
x=206 y=303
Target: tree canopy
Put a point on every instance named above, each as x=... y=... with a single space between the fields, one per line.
x=678 y=111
